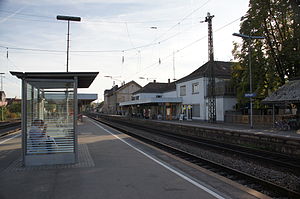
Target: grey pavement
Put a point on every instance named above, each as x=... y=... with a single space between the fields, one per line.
x=107 y=168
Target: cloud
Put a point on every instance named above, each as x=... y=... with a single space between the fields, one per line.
x=11 y=15
x=103 y=28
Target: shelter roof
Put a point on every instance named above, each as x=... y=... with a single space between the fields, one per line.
x=221 y=70
x=85 y=79
x=288 y=93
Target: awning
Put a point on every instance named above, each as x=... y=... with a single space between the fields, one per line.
x=85 y=79
x=287 y=94
x=151 y=100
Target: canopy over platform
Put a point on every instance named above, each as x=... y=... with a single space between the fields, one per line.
x=151 y=101
x=288 y=93
x=85 y=79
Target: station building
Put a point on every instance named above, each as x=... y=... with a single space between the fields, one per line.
x=155 y=101
x=188 y=95
x=193 y=89
x=114 y=96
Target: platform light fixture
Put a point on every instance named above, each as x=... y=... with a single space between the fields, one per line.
x=250 y=37
x=68 y=18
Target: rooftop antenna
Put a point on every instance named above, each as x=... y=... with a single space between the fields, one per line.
x=174 y=66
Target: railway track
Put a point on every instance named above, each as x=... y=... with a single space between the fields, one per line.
x=9 y=127
x=254 y=182
x=271 y=158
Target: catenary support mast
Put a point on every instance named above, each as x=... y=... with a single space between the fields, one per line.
x=211 y=75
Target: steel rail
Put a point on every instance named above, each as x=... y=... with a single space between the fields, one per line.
x=271 y=158
x=9 y=128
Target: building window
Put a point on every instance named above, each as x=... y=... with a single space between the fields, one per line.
x=135 y=97
x=196 y=110
x=158 y=96
x=182 y=90
x=195 y=88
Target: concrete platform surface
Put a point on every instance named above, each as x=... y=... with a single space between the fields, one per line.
x=264 y=130
x=111 y=165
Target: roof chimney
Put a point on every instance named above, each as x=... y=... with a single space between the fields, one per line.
x=169 y=81
x=154 y=81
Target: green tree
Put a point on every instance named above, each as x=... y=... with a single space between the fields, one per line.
x=274 y=59
x=15 y=107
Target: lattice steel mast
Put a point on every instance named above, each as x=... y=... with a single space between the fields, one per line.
x=211 y=75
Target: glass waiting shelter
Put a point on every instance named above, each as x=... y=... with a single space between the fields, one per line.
x=49 y=115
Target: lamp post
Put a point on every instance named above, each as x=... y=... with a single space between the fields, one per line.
x=250 y=70
x=114 y=78
x=68 y=18
x=147 y=78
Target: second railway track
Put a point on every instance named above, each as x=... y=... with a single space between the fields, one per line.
x=9 y=127
x=252 y=181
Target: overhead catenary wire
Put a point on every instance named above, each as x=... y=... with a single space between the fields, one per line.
x=85 y=20
x=103 y=51
x=153 y=43
x=180 y=21
x=144 y=68
x=98 y=51
x=181 y=49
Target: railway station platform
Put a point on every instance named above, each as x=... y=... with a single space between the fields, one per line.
x=263 y=130
x=111 y=165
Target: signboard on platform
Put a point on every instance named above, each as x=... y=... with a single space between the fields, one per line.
x=250 y=94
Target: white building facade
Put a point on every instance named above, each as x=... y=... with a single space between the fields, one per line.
x=193 y=91
x=188 y=95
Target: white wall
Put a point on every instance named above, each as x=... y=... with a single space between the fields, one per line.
x=222 y=104
x=170 y=94
x=194 y=98
x=147 y=95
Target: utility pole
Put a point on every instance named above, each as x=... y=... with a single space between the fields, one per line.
x=174 y=66
x=2 y=114
x=1 y=76
x=211 y=75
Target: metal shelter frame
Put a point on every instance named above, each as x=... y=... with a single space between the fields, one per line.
x=66 y=150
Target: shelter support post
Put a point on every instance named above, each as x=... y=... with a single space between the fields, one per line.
x=273 y=115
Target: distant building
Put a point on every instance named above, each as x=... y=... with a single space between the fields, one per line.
x=187 y=96
x=85 y=100
x=113 y=97
x=12 y=100
x=193 y=89
x=3 y=101
x=155 y=101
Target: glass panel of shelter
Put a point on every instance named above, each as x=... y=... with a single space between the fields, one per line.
x=49 y=127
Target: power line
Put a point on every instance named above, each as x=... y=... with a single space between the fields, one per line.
x=129 y=37
x=113 y=50
x=153 y=43
x=32 y=49
x=184 y=18
x=183 y=48
x=100 y=51
x=85 y=20
x=23 y=14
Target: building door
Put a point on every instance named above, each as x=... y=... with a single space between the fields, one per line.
x=189 y=112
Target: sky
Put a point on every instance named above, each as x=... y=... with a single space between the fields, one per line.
x=123 y=40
